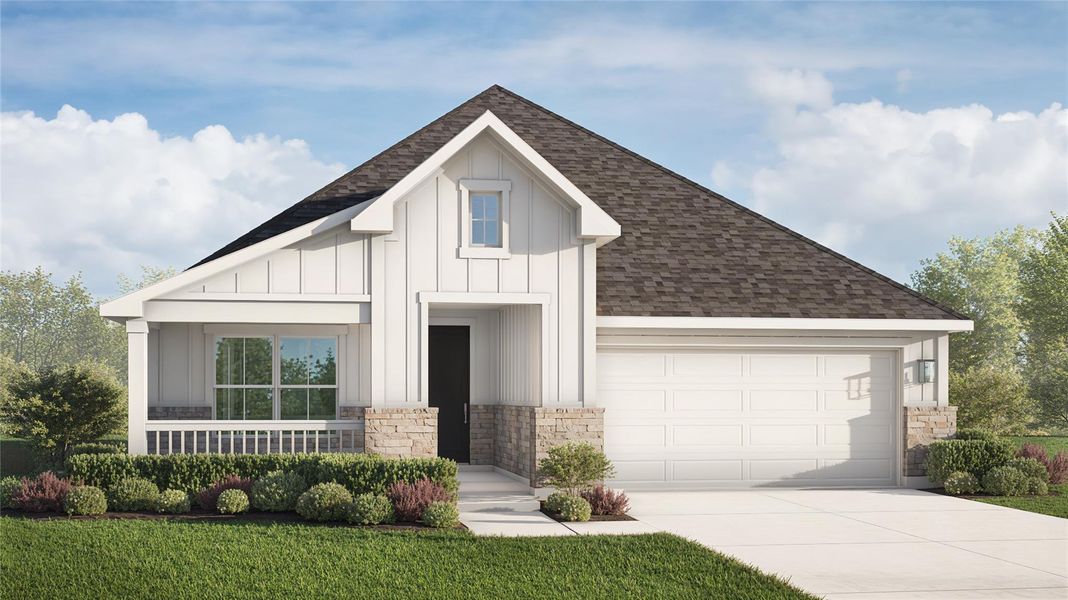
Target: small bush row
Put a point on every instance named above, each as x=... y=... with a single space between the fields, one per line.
x=977 y=461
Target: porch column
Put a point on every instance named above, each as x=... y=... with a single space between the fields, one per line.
x=137 y=338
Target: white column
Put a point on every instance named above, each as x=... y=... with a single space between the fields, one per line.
x=137 y=338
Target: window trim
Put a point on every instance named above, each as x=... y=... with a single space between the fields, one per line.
x=212 y=338
x=500 y=187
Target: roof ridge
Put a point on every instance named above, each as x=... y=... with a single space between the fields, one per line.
x=729 y=202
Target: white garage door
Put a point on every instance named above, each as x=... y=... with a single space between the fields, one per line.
x=738 y=418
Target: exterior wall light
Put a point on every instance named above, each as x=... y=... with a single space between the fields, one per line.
x=926 y=370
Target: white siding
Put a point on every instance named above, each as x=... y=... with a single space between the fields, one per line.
x=520 y=353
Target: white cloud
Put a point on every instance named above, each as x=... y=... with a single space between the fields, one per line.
x=904 y=80
x=105 y=196
x=875 y=181
x=792 y=88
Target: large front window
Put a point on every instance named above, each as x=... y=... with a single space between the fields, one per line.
x=275 y=377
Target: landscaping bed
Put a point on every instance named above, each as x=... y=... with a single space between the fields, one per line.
x=593 y=518
x=52 y=558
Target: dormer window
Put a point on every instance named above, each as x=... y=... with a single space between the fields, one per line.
x=484 y=217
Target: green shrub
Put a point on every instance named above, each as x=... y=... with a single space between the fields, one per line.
x=1004 y=481
x=441 y=515
x=555 y=501
x=574 y=467
x=975 y=434
x=232 y=502
x=85 y=500
x=974 y=456
x=1033 y=486
x=8 y=485
x=324 y=502
x=369 y=509
x=98 y=448
x=278 y=491
x=961 y=482
x=132 y=493
x=575 y=508
x=1030 y=467
x=173 y=502
x=359 y=473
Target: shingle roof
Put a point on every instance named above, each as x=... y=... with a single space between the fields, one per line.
x=728 y=261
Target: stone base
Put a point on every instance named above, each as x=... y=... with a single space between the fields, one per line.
x=401 y=431
x=522 y=435
x=923 y=425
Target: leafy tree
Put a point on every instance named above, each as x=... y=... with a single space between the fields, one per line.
x=1044 y=281
x=992 y=398
x=57 y=407
x=981 y=279
x=44 y=324
x=1048 y=385
x=149 y=276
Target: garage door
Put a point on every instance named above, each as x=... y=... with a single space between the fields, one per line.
x=733 y=418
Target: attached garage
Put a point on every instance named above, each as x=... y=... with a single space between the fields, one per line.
x=736 y=417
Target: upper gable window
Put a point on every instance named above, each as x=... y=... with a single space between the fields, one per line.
x=484 y=212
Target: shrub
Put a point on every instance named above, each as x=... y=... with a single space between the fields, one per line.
x=98 y=448
x=1033 y=486
x=975 y=434
x=1030 y=468
x=974 y=456
x=278 y=491
x=1033 y=451
x=991 y=398
x=369 y=509
x=574 y=467
x=574 y=508
x=232 y=501
x=8 y=485
x=411 y=499
x=1004 y=481
x=132 y=494
x=1058 y=468
x=324 y=502
x=208 y=497
x=360 y=473
x=58 y=407
x=44 y=493
x=604 y=501
x=85 y=500
x=555 y=501
x=441 y=515
x=173 y=502
x=961 y=482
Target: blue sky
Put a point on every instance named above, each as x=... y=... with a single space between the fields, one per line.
x=879 y=129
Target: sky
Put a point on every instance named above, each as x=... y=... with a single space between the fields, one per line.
x=154 y=133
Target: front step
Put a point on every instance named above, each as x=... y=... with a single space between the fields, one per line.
x=497 y=502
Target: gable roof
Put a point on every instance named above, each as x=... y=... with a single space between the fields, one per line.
x=728 y=261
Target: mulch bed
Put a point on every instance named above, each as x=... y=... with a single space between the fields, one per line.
x=200 y=515
x=593 y=518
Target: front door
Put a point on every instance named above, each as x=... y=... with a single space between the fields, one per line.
x=450 y=389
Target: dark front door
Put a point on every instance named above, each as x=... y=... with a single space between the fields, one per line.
x=450 y=389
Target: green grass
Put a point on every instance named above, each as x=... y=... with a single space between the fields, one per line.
x=1055 y=504
x=153 y=559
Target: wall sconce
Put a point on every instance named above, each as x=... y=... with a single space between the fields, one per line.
x=926 y=370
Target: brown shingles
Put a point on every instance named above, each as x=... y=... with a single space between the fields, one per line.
x=726 y=262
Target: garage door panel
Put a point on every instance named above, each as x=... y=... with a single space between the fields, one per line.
x=750 y=418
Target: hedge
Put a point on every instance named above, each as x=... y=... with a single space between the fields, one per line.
x=944 y=457
x=359 y=473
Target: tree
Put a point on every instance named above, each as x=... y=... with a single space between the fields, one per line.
x=1044 y=282
x=57 y=407
x=981 y=279
x=1048 y=384
x=43 y=324
x=149 y=276
x=990 y=397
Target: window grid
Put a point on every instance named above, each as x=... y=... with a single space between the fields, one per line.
x=485 y=220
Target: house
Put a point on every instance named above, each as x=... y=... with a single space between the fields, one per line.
x=503 y=280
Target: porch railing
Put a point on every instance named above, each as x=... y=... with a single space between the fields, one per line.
x=253 y=437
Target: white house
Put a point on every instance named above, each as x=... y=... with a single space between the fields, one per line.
x=503 y=280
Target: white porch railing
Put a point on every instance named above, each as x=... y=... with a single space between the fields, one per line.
x=252 y=437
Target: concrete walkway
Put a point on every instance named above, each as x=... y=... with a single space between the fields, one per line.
x=839 y=544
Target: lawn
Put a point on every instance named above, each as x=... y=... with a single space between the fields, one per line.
x=1056 y=505
x=61 y=558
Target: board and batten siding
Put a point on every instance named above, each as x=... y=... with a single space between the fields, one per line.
x=421 y=255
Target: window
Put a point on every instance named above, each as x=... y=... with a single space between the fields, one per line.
x=276 y=377
x=484 y=217
x=485 y=220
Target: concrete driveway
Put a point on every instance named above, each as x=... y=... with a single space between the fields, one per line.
x=880 y=544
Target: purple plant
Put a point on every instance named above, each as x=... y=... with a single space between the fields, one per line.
x=208 y=498
x=1058 y=468
x=604 y=501
x=44 y=493
x=411 y=499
